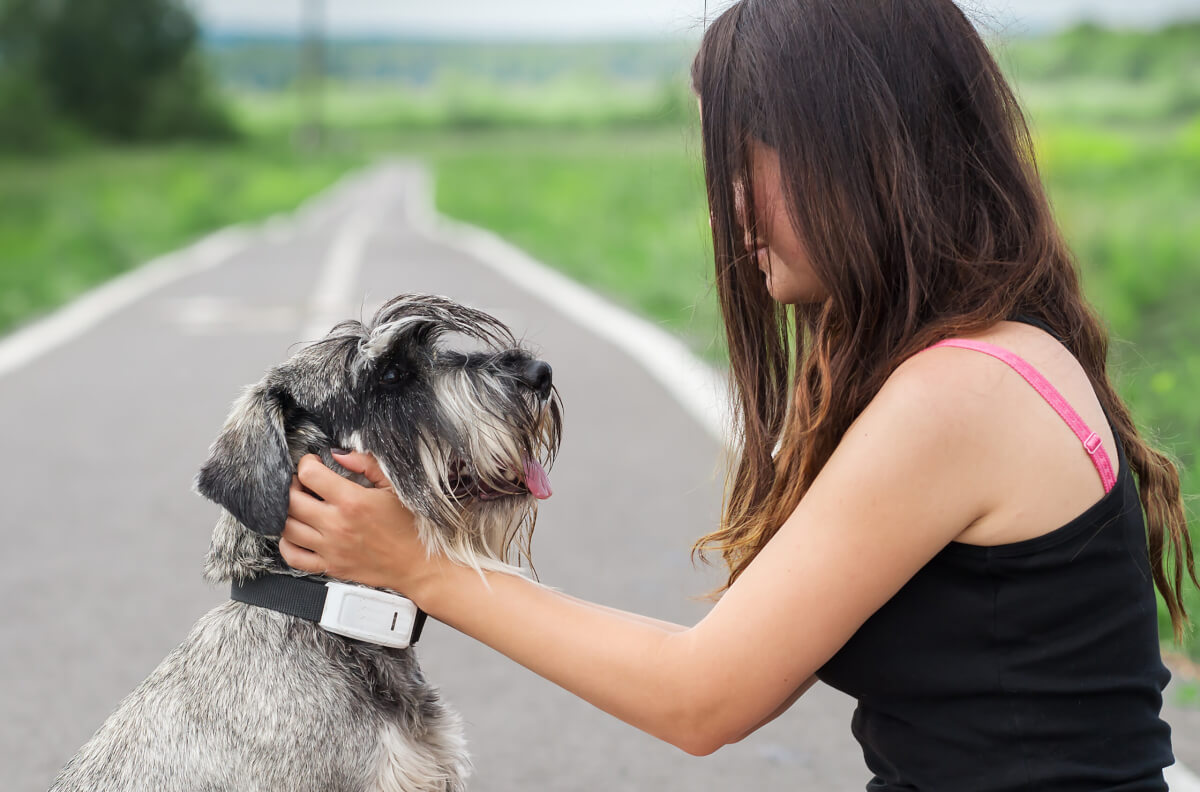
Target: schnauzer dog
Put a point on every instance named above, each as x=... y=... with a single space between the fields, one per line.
x=301 y=682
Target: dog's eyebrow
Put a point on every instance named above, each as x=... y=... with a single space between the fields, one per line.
x=482 y=358
x=453 y=357
x=382 y=336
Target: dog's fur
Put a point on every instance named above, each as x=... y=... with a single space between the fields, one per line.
x=257 y=700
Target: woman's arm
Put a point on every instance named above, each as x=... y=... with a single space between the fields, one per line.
x=680 y=738
x=637 y=617
x=902 y=484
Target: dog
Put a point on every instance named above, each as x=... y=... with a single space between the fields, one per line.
x=463 y=421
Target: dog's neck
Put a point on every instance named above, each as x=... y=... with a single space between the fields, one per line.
x=237 y=553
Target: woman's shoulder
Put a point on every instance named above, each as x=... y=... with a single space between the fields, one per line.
x=968 y=381
x=929 y=429
x=955 y=383
x=1033 y=472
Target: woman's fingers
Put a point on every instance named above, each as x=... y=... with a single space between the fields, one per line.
x=301 y=534
x=365 y=464
x=300 y=558
x=322 y=481
x=303 y=506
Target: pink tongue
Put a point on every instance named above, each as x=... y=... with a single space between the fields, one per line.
x=536 y=479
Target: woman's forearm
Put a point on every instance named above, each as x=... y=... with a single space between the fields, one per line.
x=640 y=670
x=637 y=617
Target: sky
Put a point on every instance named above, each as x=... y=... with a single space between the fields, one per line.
x=649 y=18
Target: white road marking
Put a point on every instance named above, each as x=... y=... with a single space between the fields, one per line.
x=208 y=314
x=331 y=300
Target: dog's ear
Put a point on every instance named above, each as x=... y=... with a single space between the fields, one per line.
x=249 y=468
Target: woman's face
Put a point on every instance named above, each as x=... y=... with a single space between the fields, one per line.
x=774 y=244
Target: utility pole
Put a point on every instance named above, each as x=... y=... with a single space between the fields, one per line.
x=312 y=74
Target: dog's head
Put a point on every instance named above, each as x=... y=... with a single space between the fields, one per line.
x=461 y=418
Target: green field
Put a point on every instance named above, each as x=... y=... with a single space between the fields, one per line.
x=603 y=181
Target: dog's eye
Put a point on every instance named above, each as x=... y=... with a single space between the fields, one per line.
x=393 y=375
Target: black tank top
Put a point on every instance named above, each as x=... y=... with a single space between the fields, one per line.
x=1026 y=666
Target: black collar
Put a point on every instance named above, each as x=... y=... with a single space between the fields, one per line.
x=302 y=597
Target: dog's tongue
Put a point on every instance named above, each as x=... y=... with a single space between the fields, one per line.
x=536 y=479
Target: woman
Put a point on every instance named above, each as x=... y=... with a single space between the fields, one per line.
x=919 y=530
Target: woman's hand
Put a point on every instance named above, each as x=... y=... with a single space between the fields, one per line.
x=352 y=532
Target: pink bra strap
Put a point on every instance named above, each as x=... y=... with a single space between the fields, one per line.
x=1091 y=441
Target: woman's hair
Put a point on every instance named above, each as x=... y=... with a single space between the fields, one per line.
x=910 y=178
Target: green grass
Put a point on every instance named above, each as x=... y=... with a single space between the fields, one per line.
x=578 y=102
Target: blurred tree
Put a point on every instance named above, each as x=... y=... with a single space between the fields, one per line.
x=27 y=121
x=121 y=69
x=25 y=115
x=1088 y=50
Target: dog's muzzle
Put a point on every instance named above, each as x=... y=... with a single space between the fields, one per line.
x=533 y=481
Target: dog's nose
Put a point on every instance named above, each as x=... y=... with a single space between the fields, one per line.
x=538 y=375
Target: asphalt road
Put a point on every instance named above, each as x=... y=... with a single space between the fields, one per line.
x=104 y=539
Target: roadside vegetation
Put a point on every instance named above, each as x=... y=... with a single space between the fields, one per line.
x=586 y=156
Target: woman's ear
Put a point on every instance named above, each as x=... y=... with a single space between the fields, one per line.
x=249 y=469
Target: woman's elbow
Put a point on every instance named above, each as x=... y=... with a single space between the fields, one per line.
x=704 y=736
x=701 y=713
x=721 y=724
x=698 y=744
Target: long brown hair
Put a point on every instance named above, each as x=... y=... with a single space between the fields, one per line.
x=909 y=175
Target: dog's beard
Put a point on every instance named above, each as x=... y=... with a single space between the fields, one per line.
x=480 y=500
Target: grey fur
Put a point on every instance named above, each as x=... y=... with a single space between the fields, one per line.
x=257 y=700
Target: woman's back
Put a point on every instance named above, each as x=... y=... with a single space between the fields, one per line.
x=1024 y=655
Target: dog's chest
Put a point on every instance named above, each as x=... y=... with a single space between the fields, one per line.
x=419 y=743
x=435 y=763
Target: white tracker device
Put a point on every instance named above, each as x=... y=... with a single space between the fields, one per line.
x=368 y=615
